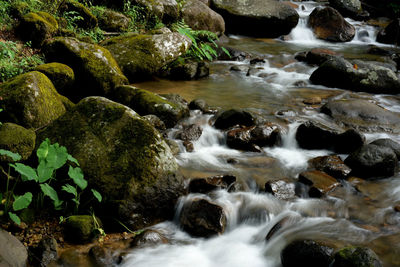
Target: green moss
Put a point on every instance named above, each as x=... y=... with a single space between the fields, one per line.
x=80 y=228
x=76 y=9
x=61 y=75
x=17 y=139
x=37 y=27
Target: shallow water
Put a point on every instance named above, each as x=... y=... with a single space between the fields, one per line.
x=347 y=216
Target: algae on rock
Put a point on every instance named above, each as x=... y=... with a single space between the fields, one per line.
x=16 y=139
x=61 y=75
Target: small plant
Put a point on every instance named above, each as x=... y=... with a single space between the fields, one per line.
x=141 y=17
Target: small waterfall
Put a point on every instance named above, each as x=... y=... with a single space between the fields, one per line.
x=302 y=32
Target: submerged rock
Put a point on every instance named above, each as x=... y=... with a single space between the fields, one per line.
x=331 y=165
x=123 y=157
x=30 y=100
x=61 y=75
x=372 y=161
x=203 y=218
x=16 y=139
x=306 y=253
x=260 y=18
x=328 y=24
x=356 y=257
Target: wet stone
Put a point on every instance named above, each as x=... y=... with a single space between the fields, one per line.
x=281 y=189
x=306 y=253
x=189 y=146
x=190 y=133
x=208 y=184
x=149 y=237
x=320 y=183
x=332 y=165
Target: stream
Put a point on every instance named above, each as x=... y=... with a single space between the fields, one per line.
x=276 y=90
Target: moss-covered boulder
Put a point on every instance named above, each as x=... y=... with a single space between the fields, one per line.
x=96 y=71
x=61 y=75
x=200 y=17
x=145 y=102
x=72 y=8
x=166 y=10
x=17 y=139
x=80 y=228
x=356 y=257
x=141 y=56
x=37 y=27
x=30 y=100
x=113 y=21
x=123 y=157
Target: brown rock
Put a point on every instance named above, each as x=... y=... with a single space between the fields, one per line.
x=205 y=185
x=331 y=165
x=320 y=183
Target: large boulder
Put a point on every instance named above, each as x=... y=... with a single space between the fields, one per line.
x=61 y=75
x=145 y=102
x=328 y=24
x=356 y=257
x=390 y=34
x=372 y=161
x=306 y=253
x=113 y=21
x=313 y=135
x=17 y=139
x=96 y=71
x=261 y=18
x=228 y=118
x=362 y=114
x=12 y=252
x=37 y=27
x=200 y=17
x=348 y=8
x=75 y=9
x=141 y=56
x=166 y=10
x=368 y=77
x=123 y=157
x=30 y=100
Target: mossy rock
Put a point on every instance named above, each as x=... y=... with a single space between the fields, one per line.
x=96 y=71
x=113 y=21
x=165 y=10
x=141 y=56
x=356 y=257
x=145 y=102
x=16 y=139
x=30 y=100
x=80 y=228
x=123 y=157
x=37 y=27
x=61 y=75
x=88 y=20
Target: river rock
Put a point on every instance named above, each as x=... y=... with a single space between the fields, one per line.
x=80 y=228
x=372 y=161
x=12 y=252
x=37 y=27
x=201 y=105
x=313 y=135
x=103 y=256
x=316 y=56
x=371 y=78
x=187 y=70
x=16 y=139
x=208 y=184
x=228 y=118
x=190 y=132
x=166 y=10
x=348 y=8
x=281 y=189
x=61 y=75
x=357 y=257
x=390 y=34
x=141 y=56
x=203 y=218
x=306 y=253
x=113 y=21
x=328 y=24
x=199 y=16
x=149 y=237
x=260 y=18
x=30 y=100
x=331 y=165
x=45 y=253
x=362 y=114
x=87 y=21
x=386 y=142
x=96 y=71
x=234 y=54
x=320 y=183
x=155 y=121
x=123 y=157
x=145 y=102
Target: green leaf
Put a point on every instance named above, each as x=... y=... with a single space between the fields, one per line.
x=14 y=218
x=70 y=189
x=28 y=174
x=97 y=195
x=72 y=159
x=76 y=174
x=226 y=51
x=44 y=172
x=12 y=155
x=22 y=202
x=51 y=193
x=57 y=156
x=43 y=150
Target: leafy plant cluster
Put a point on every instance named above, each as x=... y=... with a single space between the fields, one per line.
x=141 y=17
x=51 y=157
x=16 y=58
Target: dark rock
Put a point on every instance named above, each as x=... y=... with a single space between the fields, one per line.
x=202 y=218
x=332 y=165
x=37 y=27
x=391 y=34
x=12 y=252
x=16 y=139
x=234 y=54
x=371 y=78
x=356 y=257
x=46 y=252
x=372 y=161
x=149 y=237
x=88 y=20
x=155 y=121
x=312 y=135
x=206 y=185
x=361 y=114
x=61 y=75
x=348 y=8
x=190 y=133
x=281 y=189
x=232 y=117
x=200 y=104
x=188 y=70
x=316 y=56
x=80 y=228
x=306 y=253
x=239 y=68
x=320 y=183
x=328 y=24
x=102 y=256
x=390 y=144
x=189 y=146
x=261 y=18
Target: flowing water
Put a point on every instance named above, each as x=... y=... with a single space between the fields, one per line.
x=275 y=90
